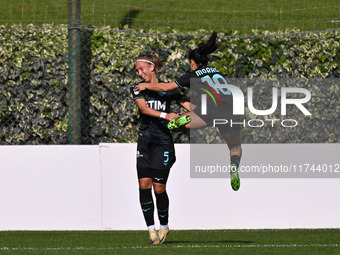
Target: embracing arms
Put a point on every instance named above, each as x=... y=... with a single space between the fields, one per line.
x=160 y=87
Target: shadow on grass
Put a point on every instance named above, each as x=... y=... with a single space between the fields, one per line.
x=129 y=18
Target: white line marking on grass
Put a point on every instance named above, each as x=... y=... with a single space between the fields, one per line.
x=167 y=247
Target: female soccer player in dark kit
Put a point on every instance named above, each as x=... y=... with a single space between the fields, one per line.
x=155 y=147
x=206 y=77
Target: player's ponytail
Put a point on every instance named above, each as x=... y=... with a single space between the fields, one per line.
x=200 y=54
x=152 y=59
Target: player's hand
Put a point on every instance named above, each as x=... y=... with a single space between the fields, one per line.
x=141 y=87
x=171 y=116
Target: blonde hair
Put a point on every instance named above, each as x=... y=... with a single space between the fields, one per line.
x=151 y=58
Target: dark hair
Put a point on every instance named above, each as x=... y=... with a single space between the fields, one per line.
x=200 y=54
x=150 y=56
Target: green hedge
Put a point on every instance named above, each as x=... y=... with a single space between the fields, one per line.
x=33 y=78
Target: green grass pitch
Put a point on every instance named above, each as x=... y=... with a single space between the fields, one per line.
x=290 y=241
x=188 y=15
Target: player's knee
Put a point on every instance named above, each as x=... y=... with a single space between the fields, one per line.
x=145 y=183
x=159 y=189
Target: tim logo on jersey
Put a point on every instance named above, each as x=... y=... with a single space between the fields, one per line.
x=216 y=88
x=156 y=105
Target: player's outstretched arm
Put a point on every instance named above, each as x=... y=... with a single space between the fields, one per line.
x=160 y=87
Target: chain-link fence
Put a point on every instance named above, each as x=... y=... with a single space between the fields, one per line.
x=35 y=91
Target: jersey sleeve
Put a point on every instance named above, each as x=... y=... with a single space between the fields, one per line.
x=136 y=94
x=184 y=80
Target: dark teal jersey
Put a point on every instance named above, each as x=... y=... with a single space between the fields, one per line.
x=155 y=130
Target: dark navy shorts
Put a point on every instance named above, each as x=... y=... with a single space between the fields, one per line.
x=155 y=160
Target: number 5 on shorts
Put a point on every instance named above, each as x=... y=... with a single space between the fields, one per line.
x=166 y=155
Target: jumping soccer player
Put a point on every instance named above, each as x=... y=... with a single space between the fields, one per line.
x=208 y=77
x=155 y=147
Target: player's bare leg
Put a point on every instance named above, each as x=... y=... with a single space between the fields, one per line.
x=233 y=140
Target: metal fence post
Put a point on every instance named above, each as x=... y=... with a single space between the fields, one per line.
x=74 y=59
